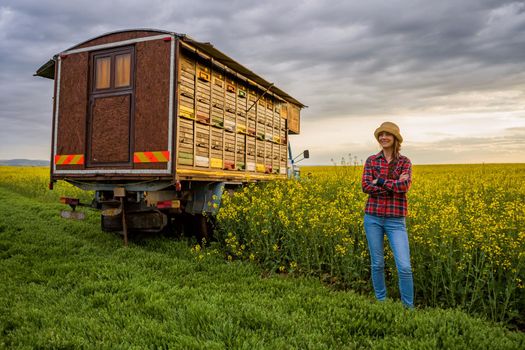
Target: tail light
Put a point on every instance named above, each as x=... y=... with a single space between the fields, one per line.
x=168 y=204
x=70 y=201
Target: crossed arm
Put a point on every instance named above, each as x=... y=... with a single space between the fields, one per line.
x=380 y=185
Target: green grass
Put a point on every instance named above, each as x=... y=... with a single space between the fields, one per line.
x=66 y=284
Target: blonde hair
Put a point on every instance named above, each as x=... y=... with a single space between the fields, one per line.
x=397 y=148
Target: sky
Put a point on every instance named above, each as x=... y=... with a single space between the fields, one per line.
x=450 y=73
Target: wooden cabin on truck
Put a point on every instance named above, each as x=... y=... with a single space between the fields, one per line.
x=157 y=124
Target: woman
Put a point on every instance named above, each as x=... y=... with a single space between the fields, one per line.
x=386 y=180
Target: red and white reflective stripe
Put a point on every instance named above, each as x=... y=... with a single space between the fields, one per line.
x=69 y=159
x=151 y=157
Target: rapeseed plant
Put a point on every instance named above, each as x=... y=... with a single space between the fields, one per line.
x=466 y=228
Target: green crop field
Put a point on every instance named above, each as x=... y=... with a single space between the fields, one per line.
x=466 y=228
x=293 y=279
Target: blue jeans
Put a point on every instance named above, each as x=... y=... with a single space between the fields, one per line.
x=395 y=229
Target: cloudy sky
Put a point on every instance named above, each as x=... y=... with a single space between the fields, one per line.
x=450 y=73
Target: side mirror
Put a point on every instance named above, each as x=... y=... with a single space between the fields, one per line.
x=304 y=155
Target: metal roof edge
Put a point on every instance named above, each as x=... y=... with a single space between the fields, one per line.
x=125 y=31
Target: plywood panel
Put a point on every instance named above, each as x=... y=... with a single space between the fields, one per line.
x=293 y=118
x=152 y=95
x=73 y=104
x=240 y=154
x=241 y=99
x=187 y=87
x=217 y=99
x=203 y=92
x=250 y=149
x=110 y=129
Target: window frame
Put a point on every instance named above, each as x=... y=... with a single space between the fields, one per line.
x=95 y=93
x=112 y=54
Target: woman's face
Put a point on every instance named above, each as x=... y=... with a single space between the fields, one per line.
x=386 y=139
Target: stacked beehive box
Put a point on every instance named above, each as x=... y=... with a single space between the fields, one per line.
x=187 y=111
x=242 y=128
x=251 y=115
x=227 y=123
x=283 y=147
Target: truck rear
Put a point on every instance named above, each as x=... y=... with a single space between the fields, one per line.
x=158 y=125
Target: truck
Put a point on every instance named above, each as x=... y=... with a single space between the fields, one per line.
x=160 y=125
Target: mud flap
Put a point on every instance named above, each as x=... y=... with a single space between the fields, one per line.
x=144 y=221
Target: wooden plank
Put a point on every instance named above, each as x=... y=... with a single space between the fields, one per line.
x=186 y=155
x=185 y=161
x=294 y=119
x=186 y=101
x=216 y=153
x=202 y=161
x=216 y=163
x=202 y=151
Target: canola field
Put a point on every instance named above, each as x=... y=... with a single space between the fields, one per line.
x=34 y=182
x=466 y=227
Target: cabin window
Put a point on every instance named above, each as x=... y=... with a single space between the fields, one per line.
x=103 y=73
x=112 y=70
x=123 y=70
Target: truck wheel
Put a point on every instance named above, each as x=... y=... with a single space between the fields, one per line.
x=202 y=231
x=111 y=223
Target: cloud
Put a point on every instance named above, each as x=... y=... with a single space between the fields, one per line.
x=346 y=60
x=506 y=145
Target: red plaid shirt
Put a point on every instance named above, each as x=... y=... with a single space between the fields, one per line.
x=388 y=196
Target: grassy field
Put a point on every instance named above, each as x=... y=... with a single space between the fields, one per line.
x=66 y=284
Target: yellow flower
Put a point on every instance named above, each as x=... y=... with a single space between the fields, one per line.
x=340 y=250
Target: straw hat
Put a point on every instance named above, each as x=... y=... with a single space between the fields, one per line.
x=391 y=128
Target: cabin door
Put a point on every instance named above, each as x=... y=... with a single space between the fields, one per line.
x=110 y=114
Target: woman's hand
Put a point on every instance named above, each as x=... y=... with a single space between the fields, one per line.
x=374 y=182
x=403 y=177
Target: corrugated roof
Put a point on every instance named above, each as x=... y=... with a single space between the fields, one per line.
x=47 y=70
x=210 y=50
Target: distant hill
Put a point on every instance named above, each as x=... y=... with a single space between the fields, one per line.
x=24 y=162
